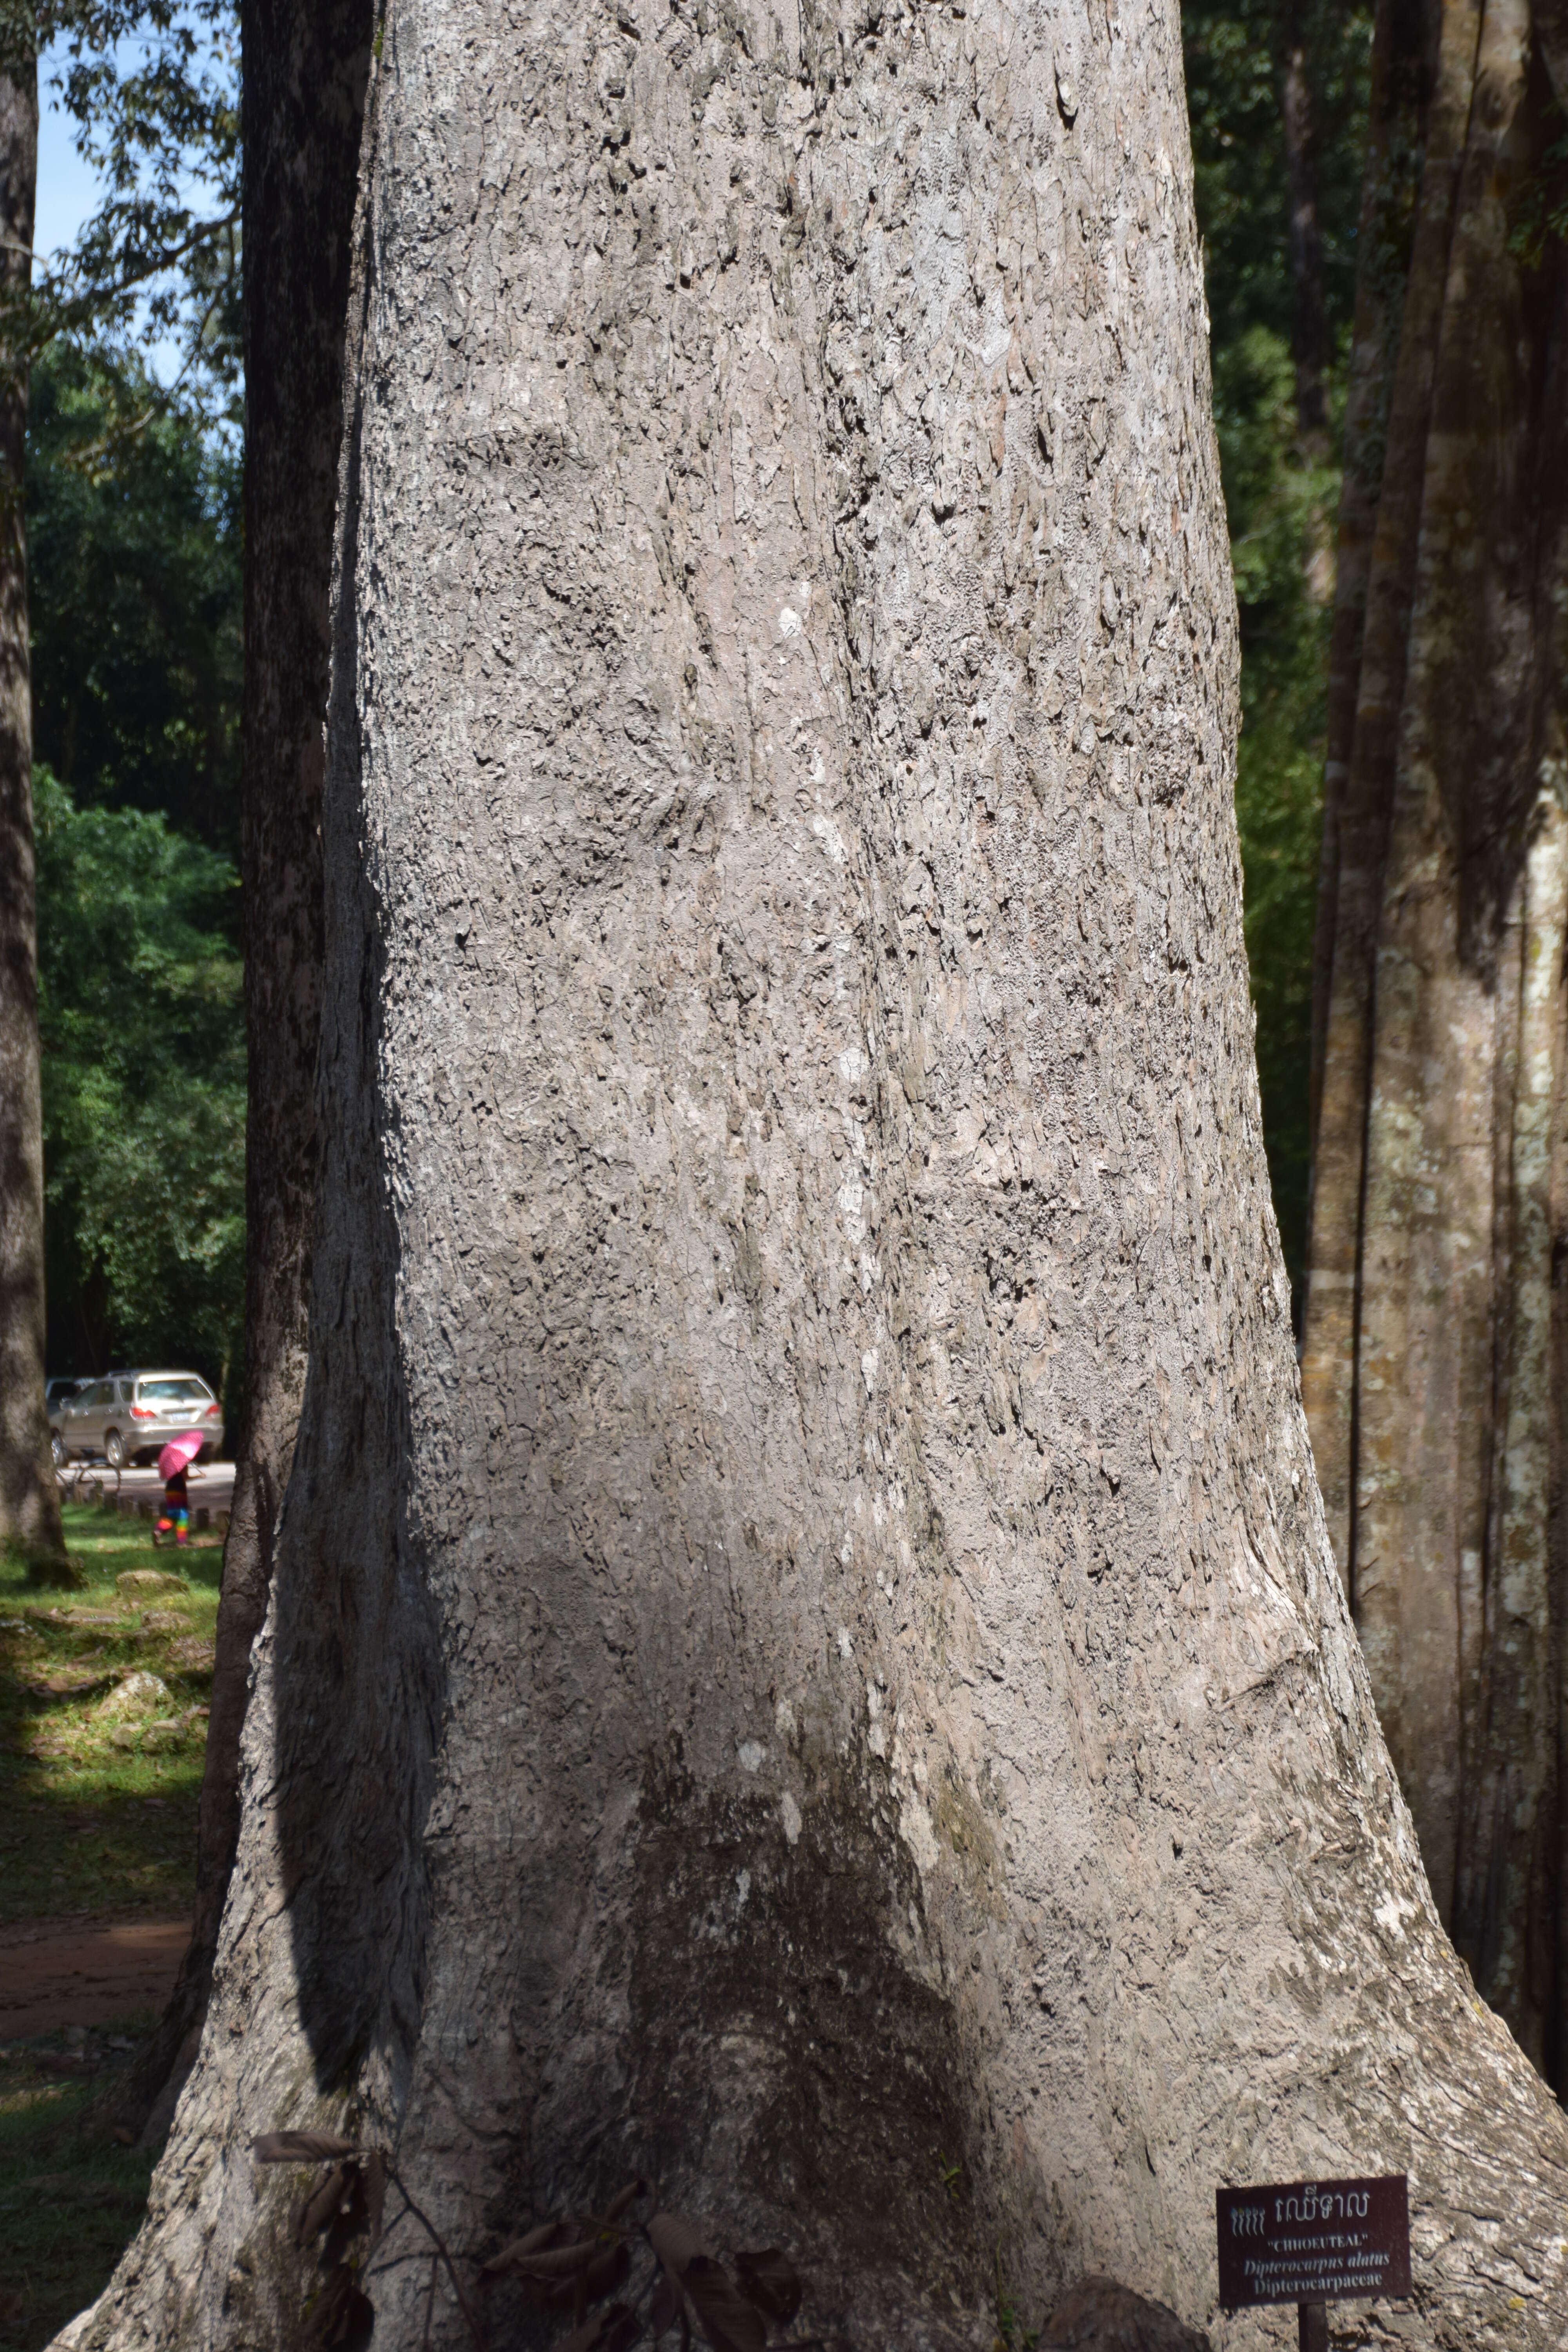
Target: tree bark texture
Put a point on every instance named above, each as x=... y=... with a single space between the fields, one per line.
x=804 y=1650
x=29 y=1497
x=305 y=66
x=1429 y=1367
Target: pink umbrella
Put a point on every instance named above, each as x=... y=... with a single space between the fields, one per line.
x=179 y=1451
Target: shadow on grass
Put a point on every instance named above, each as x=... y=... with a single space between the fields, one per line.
x=69 y=2198
x=89 y=1827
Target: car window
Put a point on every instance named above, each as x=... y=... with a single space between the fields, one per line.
x=184 y=1390
x=100 y=1393
x=125 y=1392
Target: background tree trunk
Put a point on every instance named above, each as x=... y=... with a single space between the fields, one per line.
x=1309 y=325
x=1429 y=1349
x=30 y=1498
x=1395 y=115
x=305 y=64
x=803 y=1649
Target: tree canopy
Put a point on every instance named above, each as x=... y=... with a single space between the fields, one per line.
x=136 y=602
x=144 y=1086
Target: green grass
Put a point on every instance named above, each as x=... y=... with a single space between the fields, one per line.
x=88 y=1827
x=69 y=2200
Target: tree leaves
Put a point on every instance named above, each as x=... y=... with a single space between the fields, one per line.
x=610 y=2268
x=143 y=1034
x=512 y=2255
x=730 y=2323
x=320 y=2209
x=300 y=2147
x=342 y=2315
x=625 y=2199
x=772 y=2282
x=583 y=2264
x=374 y=2191
x=611 y=2329
x=728 y=2320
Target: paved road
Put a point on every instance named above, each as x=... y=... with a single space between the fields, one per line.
x=136 y=1492
x=210 y=1481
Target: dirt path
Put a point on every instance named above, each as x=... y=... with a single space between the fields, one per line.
x=59 y=1972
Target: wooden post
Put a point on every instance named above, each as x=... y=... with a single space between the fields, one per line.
x=1312 y=2326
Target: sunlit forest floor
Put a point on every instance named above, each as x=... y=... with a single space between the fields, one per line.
x=97 y=1813
x=97 y=1822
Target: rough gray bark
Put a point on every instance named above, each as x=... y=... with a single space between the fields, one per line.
x=804 y=1634
x=30 y=1498
x=305 y=64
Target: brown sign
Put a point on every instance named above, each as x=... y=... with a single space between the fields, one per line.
x=1313 y=2241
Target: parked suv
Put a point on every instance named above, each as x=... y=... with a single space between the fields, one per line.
x=130 y=1416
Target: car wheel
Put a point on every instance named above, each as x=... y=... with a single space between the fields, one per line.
x=114 y=1450
x=57 y=1449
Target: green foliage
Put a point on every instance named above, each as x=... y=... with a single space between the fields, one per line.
x=1282 y=508
x=1280 y=496
x=140 y=1010
x=1537 y=211
x=152 y=89
x=136 y=600
x=1231 y=52
x=136 y=603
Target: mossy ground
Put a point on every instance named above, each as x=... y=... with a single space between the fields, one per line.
x=89 y=1829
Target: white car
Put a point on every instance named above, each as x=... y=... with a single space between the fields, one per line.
x=131 y=1416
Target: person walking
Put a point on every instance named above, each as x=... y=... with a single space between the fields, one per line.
x=174 y=1464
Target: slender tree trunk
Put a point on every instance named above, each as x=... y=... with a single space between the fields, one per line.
x=1455 y=1083
x=30 y=1498
x=1384 y=229
x=305 y=64
x=804 y=1651
x=1364 y=800
x=1310 y=323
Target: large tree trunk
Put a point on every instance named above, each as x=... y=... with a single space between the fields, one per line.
x=804 y=1650
x=30 y=1498
x=1429 y=1342
x=305 y=66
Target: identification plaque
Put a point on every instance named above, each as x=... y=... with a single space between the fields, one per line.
x=1313 y=2241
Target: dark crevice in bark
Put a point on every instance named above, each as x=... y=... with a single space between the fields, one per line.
x=356 y=1682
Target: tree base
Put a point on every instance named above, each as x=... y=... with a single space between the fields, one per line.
x=47 y=1570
